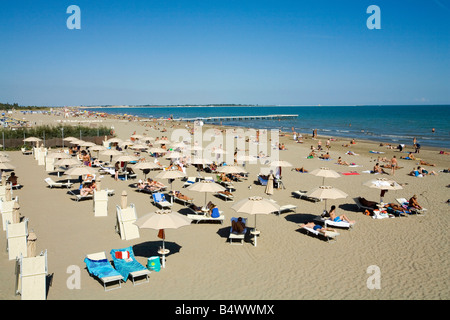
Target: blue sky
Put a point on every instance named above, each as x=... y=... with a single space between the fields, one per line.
x=224 y=51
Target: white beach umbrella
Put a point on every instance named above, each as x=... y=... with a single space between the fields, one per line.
x=67 y=162
x=32 y=139
x=382 y=184
x=157 y=150
x=126 y=158
x=114 y=140
x=170 y=175
x=146 y=165
x=161 y=220
x=325 y=173
x=327 y=192
x=206 y=186
x=231 y=169
x=254 y=206
x=6 y=166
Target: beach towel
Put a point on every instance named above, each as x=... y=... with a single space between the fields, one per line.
x=350 y=173
x=125 y=267
x=100 y=268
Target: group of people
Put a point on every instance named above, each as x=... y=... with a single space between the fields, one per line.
x=150 y=185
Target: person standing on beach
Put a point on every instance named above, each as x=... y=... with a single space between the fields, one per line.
x=393 y=164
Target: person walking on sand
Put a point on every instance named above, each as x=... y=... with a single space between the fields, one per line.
x=393 y=164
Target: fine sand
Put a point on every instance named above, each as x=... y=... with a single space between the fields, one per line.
x=412 y=253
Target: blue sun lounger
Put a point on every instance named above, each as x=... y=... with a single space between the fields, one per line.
x=98 y=266
x=129 y=267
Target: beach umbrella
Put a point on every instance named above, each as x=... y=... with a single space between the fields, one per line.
x=59 y=155
x=114 y=140
x=269 y=186
x=79 y=171
x=382 y=184
x=170 y=175
x=86 y=144
x=206 y=186
x=161 y=141
x=201 y=161
x=231 y=169
x=6 y=166
x=70 y=139
x=180 y=145
x=139 y=146
x=126 y=158
x=67 y=162
x=146 y=165
x=157 y=150
x=161 y=220
x=145 y=138
x=111 y=152
x=327 y=192
x=32 y=139
x=325 y=173
x=174 y=155
x=137 y=136
x=254 y=206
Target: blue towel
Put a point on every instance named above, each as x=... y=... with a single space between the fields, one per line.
x=100 y=268
x=124 y=267
x=158 y=197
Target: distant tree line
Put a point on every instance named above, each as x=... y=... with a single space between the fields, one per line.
x=9 y=106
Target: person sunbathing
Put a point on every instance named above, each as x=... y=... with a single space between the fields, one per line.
x=413 y=203
x=337 y=218
x=378 y=169
x=325 y=156
x=312 y=154
x=409 y=157
x=396 y=207
x=424 y=163
x=88 y=189
x=341 y=162
x=303 y=170
x=226 y=192
x=316 y=227
x=181 y=196
x=224 y=177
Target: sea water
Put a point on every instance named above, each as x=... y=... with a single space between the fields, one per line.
x=387 y=124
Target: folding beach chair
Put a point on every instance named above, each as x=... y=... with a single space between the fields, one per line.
x=125 y=219
x=6 y=209
x=189 y=181
x=16 y=235
x=99 y=267
x=31 y=277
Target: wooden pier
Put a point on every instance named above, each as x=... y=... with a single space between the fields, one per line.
x=242 y=118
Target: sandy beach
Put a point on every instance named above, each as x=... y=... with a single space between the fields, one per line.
x=412 y=252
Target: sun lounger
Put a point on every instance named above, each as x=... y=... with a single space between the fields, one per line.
x=405 y=204
x=25 y=151
x=286 y=208
x=31 y=277
x=16 y=235
x=160 y=200
x=203 y=216
x=189 y=181
x=237 y=236
x=53 y=184
x=327 y=222
x=328 y=235
x=125 y=219
x=129 y=267
x=99 y=267
x=225 y=196
x=302 y=195
x=362 y=207
x=185 y=202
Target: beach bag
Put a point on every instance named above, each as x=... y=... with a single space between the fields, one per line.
x=154 y=264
